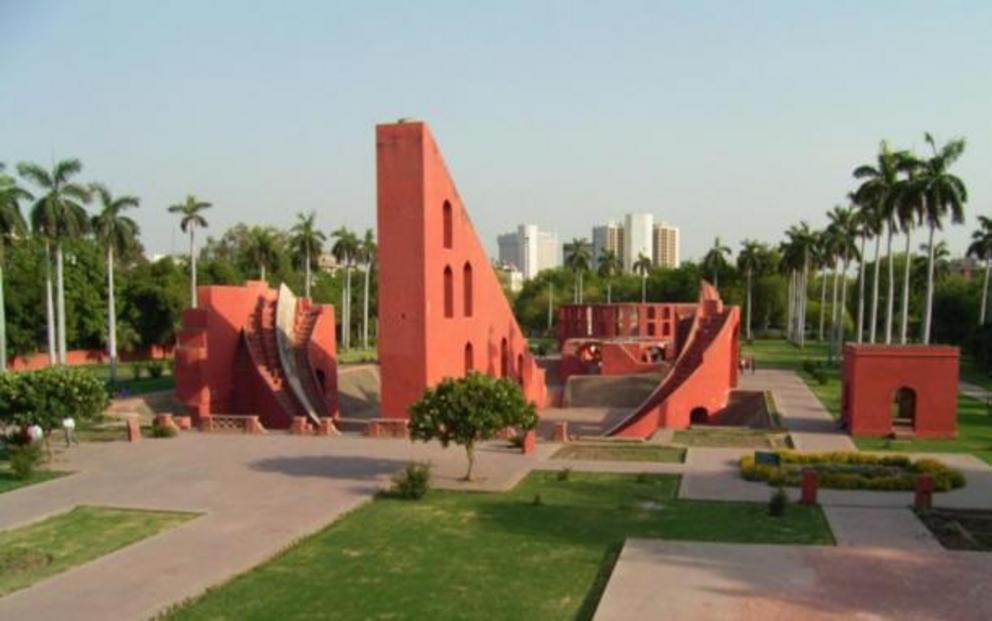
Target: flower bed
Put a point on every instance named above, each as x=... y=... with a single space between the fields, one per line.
x=852 y=470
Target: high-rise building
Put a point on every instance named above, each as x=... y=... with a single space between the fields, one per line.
x=529 y=250
x=638 y=238
x=666 y=245
x=607 y=237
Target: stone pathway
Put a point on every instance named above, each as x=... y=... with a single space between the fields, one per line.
x=895 y=528
x=811 y=425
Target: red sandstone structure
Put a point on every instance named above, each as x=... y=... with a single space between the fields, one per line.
x=254 y=355
x=442 y=312
x=704 y=372
x=900 y=391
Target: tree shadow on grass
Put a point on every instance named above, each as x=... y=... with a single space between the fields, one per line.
x=329 y=466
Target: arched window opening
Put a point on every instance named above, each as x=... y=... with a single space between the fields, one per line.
x=469 y=358
x=904 y=407
x=449 y=292
x=448 y=225
x=504 y=358
x=698 y=416
x=520 y=369
x=467 y=288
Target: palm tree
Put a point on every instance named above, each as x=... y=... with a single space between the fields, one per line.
x=716 y=260
x=263 y=248
x=190 y=218
x=12 y=225
x=876 y=191
x=981 y=248
x=609 y=267
x=822 y=259
x=307 y=243
x=844 y=233
x=58 y=215
x=801 y=245
x=345 y=249
x=642 y=266
x=749 y=261
x=908 y=208
x=117 y=233
x=367 y=250
x=578 y=259
x=944 y=194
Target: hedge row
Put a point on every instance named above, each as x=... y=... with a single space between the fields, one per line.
x=47 y=396
x=851 y=470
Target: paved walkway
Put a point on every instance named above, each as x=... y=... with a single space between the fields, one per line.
x=256 y=494
x=811 y=425
x=658 y=579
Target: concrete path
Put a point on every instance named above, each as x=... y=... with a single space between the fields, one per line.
x=811 y=426
x=895 y=528
x=658 y=579
x=256 y=495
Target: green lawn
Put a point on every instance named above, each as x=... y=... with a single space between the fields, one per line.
x=620 y=451
x=971 y=373
x=974 y=435
x=9 y=482
x=456 y=555
x=36 y=551
x=358 y=356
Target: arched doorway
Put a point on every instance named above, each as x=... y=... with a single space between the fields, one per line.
x=504 y=358
x=699 y=416
x=904 y=407
x=469 y=358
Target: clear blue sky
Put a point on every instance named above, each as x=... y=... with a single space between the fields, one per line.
x=725 y=118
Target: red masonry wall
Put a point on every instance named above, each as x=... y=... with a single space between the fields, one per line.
x=441 y=308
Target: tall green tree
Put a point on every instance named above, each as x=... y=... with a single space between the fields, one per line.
x=367 y=252
x=642 y=266
x=608 y=269
x=578 y=257
x=12 y=226
x=307 y=243
x=981 y=249
x=58 y=215
x=822 y=260
x=797 y=253
x=945 y=195
x=715 y=260
x=263 y=249
x=908 y=210
x=117 y=233
x=191 y=218
x=843 y=231
x=749 y=261
x=345 y=249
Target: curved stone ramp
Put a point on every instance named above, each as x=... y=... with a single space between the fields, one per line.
x=609 y=391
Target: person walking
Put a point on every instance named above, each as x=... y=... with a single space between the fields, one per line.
x=69 y=427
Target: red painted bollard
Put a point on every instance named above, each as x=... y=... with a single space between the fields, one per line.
x=529 y=443
x=133 y=429
x=811 y=481
x=299 y=426
x=561 y=432
x=923 y=500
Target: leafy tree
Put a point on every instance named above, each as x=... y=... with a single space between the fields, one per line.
x=12 y=225
x=57 y=216
x=609 y=268
x=307 y=243
x=578 y=257
x=345 y=250
x=262 y=248
x=469 y=410
x=190 y=218
x=153 y=301
x=749 y=260
x=715 y=260
x=981 y=249
x=117 y=233
x=642 y=266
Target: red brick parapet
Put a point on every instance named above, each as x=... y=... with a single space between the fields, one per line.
x=388 y=428
x=561 y=432
x=133 y=429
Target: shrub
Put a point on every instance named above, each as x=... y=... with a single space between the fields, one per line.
x=24 y=459
x=537 y=501
x=413 y=481
x=564 y=474
x=138 y=370
x=155 y=369
x=164 y=431
x=47 y=396
x=643 y=477
x=778 y=503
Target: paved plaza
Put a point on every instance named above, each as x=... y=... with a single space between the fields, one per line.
x=307 y=482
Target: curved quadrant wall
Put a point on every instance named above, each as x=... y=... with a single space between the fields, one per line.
x=442 y=311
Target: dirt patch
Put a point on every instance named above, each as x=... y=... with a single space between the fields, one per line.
x=960 y=529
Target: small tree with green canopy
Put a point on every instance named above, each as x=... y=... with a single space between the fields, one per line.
x=469 y=410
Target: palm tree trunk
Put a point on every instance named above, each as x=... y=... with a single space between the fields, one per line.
x=861 y=292
x=49 y=304
x=349 y=305
x=823 y=299
x=306 y=276
x=803 y=301
x=904 y=322
x=889 y=301
x=833 y=308
x=790 y=323
x=111 y=315
x=981 y=315
x=60 y=300
x=749 y=305
x=644 y=288
x=344 y=313
x=843 y=306
x=3 y=326
x=365 y=306
x=261 y=271
x=874 y=294
x=609 y=292
x=928 y=314
x=551 y=305
x=192 y=266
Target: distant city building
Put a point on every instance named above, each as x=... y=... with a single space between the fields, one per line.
x=327 y=263
x=666 y=245
x=510 y=277
x=966 y=267
x=608 y=237
x=638 y=238
x=529 y=250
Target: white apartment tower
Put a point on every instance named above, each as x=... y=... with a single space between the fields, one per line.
x=638 y=238
x=607 y=237
x=666 y=245
x=529 y=250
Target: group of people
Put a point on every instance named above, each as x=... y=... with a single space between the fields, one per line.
x=35 y=433
x=746 y=364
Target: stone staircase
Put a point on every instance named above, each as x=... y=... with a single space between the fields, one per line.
x=304 y=324
x=260 y=342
